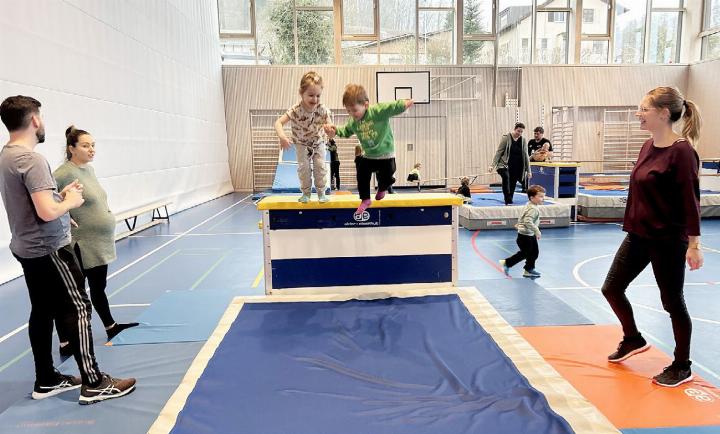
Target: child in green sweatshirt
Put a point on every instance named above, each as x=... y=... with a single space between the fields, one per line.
x=371 y=124
x=528 y=228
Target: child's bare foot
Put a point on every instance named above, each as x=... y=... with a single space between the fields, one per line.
x=365 y=204
x=380 y=195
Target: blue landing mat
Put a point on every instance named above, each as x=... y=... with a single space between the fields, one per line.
x=496 y=199
x=178 y=316
x=158 y=369
x=419 y=365
x=522 y=302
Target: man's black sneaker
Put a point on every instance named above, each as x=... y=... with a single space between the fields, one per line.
x=629 y=347
x=63 y=383
x=108 y=388
x=674 y=375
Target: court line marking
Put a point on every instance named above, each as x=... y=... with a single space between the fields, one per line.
x=24 y=326
x=209 y=270
x=494 y=265
x=176 y=238
x=576 y=275
x=259 y=277
x=508 y=251
x=197 y=235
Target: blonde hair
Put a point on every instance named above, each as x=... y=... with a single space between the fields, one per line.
x=671 y=99
x=310 y=78
x=417 y=165
x=354 y=94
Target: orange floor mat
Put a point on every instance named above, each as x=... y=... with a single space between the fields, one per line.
x=623 y=392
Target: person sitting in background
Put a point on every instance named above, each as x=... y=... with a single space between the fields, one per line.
x=414 y=175
x=542 y=154
x=464 y=189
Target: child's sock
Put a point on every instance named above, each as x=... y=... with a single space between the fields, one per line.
x=322 y=198
x=380 y=195
x=305 y=198
x=365 y=204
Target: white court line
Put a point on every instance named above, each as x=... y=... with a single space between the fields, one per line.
x=197 y=235
x=176 y=238
x=576 y=275
x=639 y=285
x=14 y=332
x=24 y=326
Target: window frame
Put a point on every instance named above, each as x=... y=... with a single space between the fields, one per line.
x=462 y=36
x=707 y=31
x=239 y=35
x=680 y=10
x=568 y=11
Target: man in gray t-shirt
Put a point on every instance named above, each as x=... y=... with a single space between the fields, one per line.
x=40 y=227
x=24 y=172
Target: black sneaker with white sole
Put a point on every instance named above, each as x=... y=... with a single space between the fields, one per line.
x=108 y=388
x=628 y=347
x=63 y=383
x=674 y=375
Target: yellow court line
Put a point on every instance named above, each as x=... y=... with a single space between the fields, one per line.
x=259 y=277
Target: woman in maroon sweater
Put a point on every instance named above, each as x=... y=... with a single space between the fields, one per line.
x=662 y=219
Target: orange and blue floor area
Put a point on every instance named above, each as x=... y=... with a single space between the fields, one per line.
x=501 y=355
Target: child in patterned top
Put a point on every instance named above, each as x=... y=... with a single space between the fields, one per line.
x=308 y=117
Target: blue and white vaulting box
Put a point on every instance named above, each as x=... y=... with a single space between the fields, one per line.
x=406 y=239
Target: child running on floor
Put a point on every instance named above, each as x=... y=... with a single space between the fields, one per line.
x=528 y=228
x=308 y=117
x=371 y=124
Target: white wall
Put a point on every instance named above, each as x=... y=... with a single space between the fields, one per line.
x=702 y=90
x=143 y=77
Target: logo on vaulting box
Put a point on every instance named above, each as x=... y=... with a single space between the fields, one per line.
x=370 y=217
x=363 y=217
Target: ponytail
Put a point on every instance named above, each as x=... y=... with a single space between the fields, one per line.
x=691 y=122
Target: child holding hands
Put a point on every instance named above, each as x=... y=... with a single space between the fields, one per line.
x=308 y=118
x=371 y=124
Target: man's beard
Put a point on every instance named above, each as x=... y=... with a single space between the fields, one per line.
x=40 y=134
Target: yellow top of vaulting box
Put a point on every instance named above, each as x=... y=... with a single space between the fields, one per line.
x=352 y=201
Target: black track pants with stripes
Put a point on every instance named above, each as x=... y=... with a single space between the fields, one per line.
x=57 y=291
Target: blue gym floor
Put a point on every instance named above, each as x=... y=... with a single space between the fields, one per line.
x=216 y=249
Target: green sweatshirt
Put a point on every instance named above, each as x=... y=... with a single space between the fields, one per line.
x=529 y=221
x=373 y=130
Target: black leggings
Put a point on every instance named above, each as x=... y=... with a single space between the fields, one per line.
x=529 y=251
x=668 y=262
x=365 y=167
x=97 y=280
x=57 y=292
x=335 y=174
x=510 y=178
